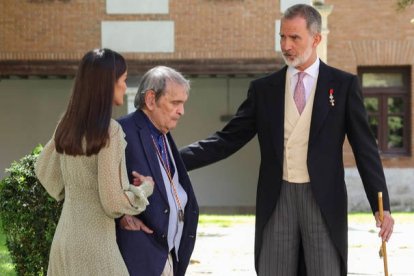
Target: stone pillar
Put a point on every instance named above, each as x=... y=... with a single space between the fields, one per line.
x=325 y=10
x=130 y=93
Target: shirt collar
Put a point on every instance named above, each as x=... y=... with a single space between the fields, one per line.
x=154 y=131
x=312 y=70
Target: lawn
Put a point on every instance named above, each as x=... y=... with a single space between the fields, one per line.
x=399 y=218
x=230 y=220
x=6 y=267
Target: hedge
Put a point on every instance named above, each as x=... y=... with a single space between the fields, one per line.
x=29 y=216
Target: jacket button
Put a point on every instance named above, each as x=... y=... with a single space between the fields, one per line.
x=166 y=211
x=163 y=236
x=191 y=236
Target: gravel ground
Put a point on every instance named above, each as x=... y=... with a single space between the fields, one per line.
x=228 y=251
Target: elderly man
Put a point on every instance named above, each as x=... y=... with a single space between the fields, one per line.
x=160 y=240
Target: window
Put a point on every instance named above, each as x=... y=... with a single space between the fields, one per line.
x=387 y=100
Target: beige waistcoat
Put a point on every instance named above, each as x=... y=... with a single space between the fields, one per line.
x=296 y=137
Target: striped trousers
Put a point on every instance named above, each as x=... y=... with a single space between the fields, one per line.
x=297 y=219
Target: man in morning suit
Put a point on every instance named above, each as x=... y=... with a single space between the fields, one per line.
x=160 y=240
x=301 y=115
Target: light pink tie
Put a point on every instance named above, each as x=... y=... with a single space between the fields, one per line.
x=299 y=95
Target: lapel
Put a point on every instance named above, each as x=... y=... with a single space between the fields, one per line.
x=276 y=108
x=150 y=154
x=321 y=105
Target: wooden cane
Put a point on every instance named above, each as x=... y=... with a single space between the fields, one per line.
x=383 y=249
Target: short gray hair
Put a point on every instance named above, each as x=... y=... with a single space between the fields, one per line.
x=156 y=79
x=307 y=12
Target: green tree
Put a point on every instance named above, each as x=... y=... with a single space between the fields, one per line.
x=403 y=4
x=29 y=217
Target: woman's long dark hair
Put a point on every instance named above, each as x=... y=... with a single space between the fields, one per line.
x=90 y=107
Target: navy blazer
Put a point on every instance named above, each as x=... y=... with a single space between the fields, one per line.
x=146 y=254
x=262 y=113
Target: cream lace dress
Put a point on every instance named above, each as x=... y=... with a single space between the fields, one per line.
x=95 y=190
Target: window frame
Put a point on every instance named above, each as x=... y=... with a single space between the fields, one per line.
x=383 y=94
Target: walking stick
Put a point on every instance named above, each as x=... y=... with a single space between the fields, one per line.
x=383 y=249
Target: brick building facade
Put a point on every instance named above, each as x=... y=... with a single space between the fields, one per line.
x=220 y=45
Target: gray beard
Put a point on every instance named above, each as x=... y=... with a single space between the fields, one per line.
x=299 y=60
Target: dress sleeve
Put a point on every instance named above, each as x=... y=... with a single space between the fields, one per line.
x=117 y=196
x=48 y=171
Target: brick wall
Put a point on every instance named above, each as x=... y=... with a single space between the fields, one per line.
x=361 y=33
x=371 y=33
x=204 y=28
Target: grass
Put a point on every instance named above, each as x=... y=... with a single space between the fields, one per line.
x=231 y=220
x=399 y=218
x=225 y=220
x=6 y=266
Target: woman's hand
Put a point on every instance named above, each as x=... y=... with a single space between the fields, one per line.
x=139 y=179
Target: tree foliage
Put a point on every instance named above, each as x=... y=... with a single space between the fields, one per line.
x=403 y=4
x=29 y=216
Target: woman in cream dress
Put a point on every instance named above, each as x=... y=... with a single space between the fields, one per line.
x=84 y=165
